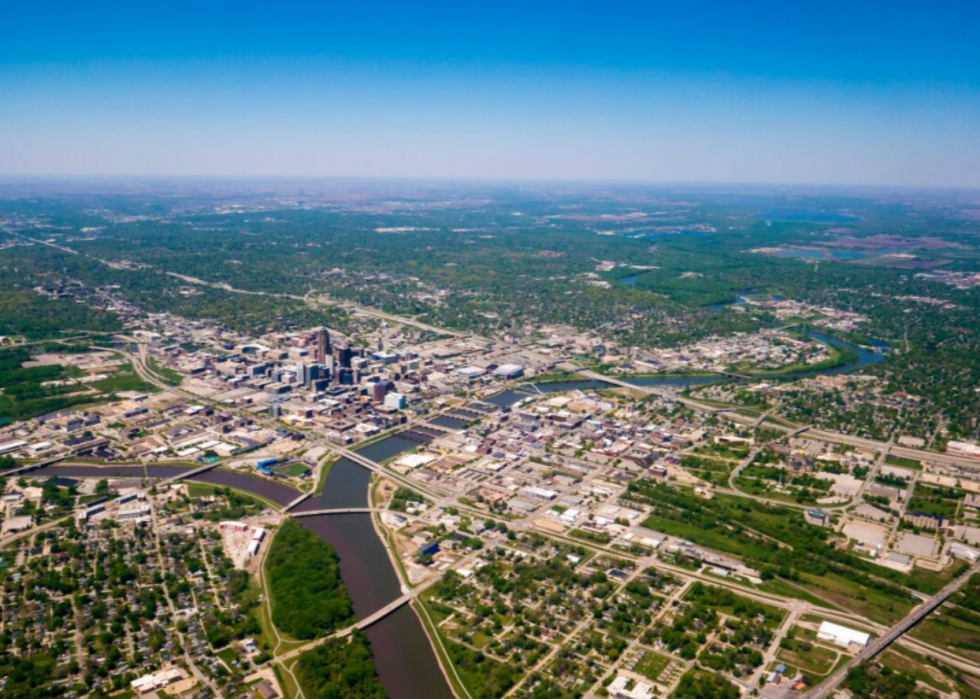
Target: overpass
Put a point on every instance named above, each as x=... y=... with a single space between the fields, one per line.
x=893 y=634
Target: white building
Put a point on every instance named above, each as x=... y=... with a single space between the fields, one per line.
x=639 y=690
x=470 y=372
x=842 y=636
x=395 y=401
x=963 y=449
x=138 y=511
x=509 y=371
x=157 y=680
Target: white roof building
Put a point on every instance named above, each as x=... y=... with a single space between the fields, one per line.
x=842 y=636
x=415 y=460
x=470 y=372
x=509 y=371
x=639 y=690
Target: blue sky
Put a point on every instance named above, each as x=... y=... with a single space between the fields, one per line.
x=826 y=92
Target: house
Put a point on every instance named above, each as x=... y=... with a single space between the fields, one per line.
x=265 y=690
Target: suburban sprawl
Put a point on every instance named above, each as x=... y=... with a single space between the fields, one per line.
x=480 y=442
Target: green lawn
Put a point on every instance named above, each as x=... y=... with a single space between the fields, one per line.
x=292 y=470
x=124 y=379
x=818 y=660
x=165 y=374
x=652 y=665
x=228 y=655
x=904 y=462
x=852 y=596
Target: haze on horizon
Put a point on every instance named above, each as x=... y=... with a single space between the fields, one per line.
x=874 y=93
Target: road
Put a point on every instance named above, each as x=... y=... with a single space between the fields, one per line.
x=346 y=305
x=881 y=643
x=340 y=511
x=824 y=435
x=893 y=634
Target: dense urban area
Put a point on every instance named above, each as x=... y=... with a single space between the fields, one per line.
x=330 y=441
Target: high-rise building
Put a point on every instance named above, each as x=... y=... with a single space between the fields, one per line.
x=346 y=354
x=381 y=390
x=322 y=340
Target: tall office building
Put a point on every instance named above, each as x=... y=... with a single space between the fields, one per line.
x=322 y=340
x=381 y=389
x=346 y=354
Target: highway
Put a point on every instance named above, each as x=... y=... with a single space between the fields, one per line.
x=824 y=435
x=878 y=645
x=892 y=635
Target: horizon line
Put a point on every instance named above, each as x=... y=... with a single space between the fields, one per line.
x=7 y=179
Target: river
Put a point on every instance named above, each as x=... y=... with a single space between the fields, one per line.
x=403 y=655
x=863 y=357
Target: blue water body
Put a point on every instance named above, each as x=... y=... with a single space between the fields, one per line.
x=864 y=357
x=790 y=214
x=451 y=423
x=806 y=254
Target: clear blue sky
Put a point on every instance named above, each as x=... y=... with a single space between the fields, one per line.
x=824 y=92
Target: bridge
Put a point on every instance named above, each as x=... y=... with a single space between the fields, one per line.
x=367 y=621
x=34 y=467
x=650 y=391
x=730 y=374
x=416 y=435
x=188 y=474
x=295 y=503
x=339 y=511
x=882 y=642
x=360 y=459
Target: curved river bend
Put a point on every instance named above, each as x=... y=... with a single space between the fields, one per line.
x=403 y=655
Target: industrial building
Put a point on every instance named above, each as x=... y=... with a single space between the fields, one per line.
x=842 y=636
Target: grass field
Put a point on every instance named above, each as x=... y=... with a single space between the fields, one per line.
x=652 y=665
x=125 y=379
x=787 y=589
x=165 y=374
x=817 y=660
x=930 y=581
x=852 y=596
x=953 y=634
x=904 y=462
x=293 y=469
x=926 y=670
x=711 y=539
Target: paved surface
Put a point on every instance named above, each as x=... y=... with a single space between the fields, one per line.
x=893 y=634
